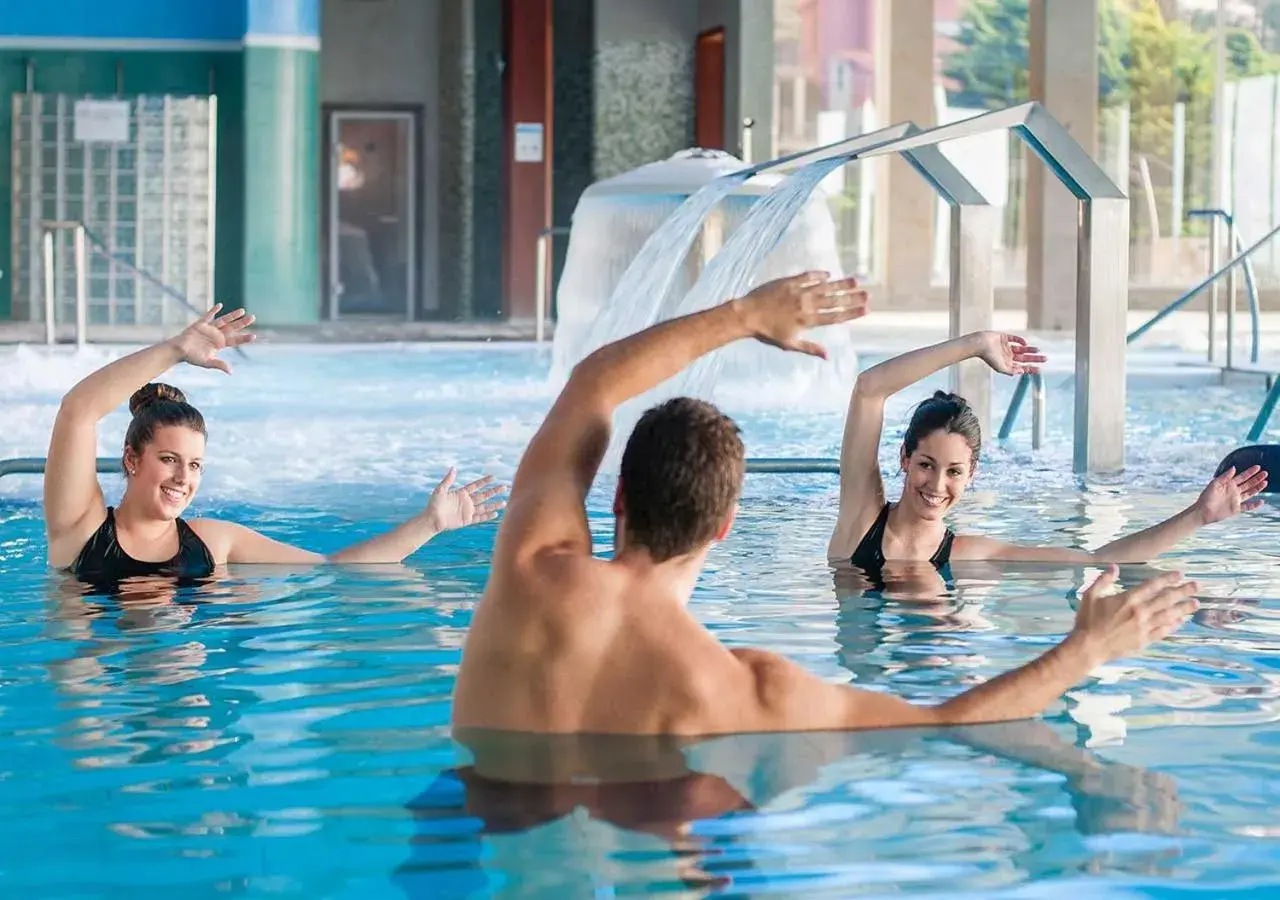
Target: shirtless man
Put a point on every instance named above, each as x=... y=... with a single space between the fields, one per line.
x=565 y=642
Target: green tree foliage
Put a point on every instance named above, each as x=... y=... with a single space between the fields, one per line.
x=992 y=64
x=1145 y=60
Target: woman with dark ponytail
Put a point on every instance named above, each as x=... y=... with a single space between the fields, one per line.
x=163 y=460
x=939 y=458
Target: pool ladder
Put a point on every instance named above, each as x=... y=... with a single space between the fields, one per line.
x=86 y=241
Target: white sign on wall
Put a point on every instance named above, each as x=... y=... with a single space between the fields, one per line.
x=529 y=142
x=102 y=121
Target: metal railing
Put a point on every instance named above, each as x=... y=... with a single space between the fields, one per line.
x=34 y=465
x=1034 y=381
x=542 y=278
x=50 y=279
x=1264 y=414
x=796 y=466
x=1209 y=280
x=86 y=240
x=1241 y=258
x=1103 y=268
x=1235 y=245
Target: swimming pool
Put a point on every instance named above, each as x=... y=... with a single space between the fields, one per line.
x=276 y=734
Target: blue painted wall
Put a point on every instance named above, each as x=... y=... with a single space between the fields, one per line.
x=159 y=20
x=282 y=18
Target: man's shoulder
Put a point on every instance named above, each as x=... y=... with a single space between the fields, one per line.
x=555 y=576
x=561 y=563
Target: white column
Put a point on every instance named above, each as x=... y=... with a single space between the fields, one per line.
x=904 y=92
x=1064 y=77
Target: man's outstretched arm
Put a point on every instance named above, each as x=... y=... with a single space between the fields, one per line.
x=785 y=697
x=546 y=507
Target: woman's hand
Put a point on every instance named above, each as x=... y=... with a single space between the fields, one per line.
x=202 y=340
x=1230 y=494
x=451 y=508
x=1009 y=354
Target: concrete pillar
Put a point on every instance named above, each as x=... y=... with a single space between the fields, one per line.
x=1064 y=77
x=282 y=161
x=905 y=205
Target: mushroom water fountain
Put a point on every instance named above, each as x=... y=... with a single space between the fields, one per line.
x=682 y=234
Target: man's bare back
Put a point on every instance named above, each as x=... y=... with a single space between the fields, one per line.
x=592 y=646
x=565 y=642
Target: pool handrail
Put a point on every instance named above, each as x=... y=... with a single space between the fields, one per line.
x=1208 y=280
x=793 y=466
x=99 y=246
x=1250 y=285
x=1019 y=394
x=34 y=465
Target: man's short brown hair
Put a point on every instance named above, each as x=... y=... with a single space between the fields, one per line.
x=681 y=476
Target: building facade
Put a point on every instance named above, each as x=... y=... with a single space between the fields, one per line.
x=384 y=159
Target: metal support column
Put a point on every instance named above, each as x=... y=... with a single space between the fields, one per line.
x=1215 y=258
x=1102 y=305
x=1233 y=240
x=972 y=299
x=1102 y=290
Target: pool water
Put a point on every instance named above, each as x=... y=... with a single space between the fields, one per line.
x=284 y=732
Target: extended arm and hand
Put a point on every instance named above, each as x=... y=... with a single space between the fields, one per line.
x=73 y=500
x=449 y=508
x=546 y=510
x=785 y=697
x=861 y=484
x=862 y=492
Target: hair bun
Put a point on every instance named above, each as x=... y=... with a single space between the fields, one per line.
x=948 y=397
x=155 y=392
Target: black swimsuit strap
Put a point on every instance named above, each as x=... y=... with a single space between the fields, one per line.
x=103 y=557
x=870 y=551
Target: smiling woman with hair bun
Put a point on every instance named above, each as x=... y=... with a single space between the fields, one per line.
x=939 y=459
x=163 y=461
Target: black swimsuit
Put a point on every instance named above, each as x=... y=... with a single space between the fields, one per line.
x=102 y=559
x=869 y=557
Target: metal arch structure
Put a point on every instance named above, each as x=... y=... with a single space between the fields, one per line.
x=1102 y=283
x=972 y=239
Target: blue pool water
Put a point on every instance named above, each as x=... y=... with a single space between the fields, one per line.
x=284 y=733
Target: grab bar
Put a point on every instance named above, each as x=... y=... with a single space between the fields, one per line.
x=34 y=465
x=85 y=237
x=794 y=466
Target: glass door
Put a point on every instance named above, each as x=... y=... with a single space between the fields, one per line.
x=372 y=226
